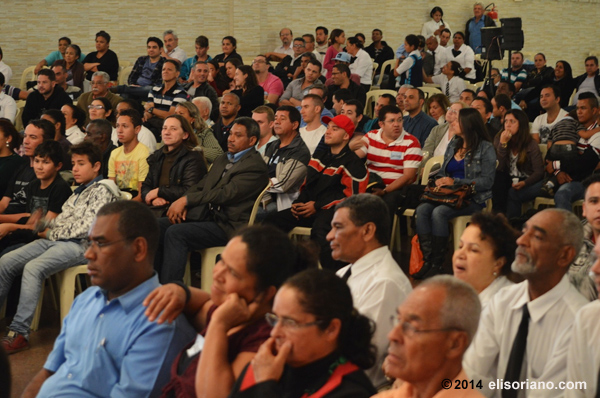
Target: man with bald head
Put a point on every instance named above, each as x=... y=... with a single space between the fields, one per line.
x=229 y=108
x=525 y=330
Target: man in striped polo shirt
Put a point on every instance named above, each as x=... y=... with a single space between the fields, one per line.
x=393 y=154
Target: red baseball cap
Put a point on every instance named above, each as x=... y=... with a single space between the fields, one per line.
x=342 y=121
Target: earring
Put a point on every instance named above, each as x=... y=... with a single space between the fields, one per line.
x=495 y=273
x=7 y=145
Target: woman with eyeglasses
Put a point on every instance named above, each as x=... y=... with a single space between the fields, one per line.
x=437 y=141
x=101 y=108
x=231 y=318
x=318 y=347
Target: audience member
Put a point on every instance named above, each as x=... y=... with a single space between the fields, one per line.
x=541 y=76
x=10 y=162
x=311 y=110
x=61 y=75
x=517 y=74
x=100 y=81
x=485 y=254
x=57 y=119
x=506 y=87
x=251 y=95
x=205 y=107
x=401 y=96
x=335 y=42
x=309 y=45
x=290 y=67
x=563 y=78
x=103 y=59
x=265 y=118
x=229 y=108
x=122 y=243
x=341 y=80
x=467 y=96
x=205 y=139
x=451 y=84
x=438 y=53
x=63 y=43
x=145 y=136
x=228 y=46
x=433 y=328
x=436 y=107
x=5 y=69
x=359 y=234
x=298 y=88
x=362 y=65
x=411 y=68
x=550 y=99
x=62 y=244
x=47 y=96
x=271 y=84
x=524 y=325
x=445 y=36
x=286 y=48
x=417 y=122
x=199 y=86
x=470 y=158
x=500 y=105
x=473 y=28
x=464 y=55
x=379 y=50
x=101 y=108
x=440 y=136
x=211 y=210
x=201 y=46
x=321 y=33
x=587 y=82
x=98 y=132
x=172 y=50
x=433 y=28
x=333 y=174
x=383 y=100
x=8 y=106
x=326 y=358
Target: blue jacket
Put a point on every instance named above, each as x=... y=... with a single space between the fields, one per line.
x=480 y=168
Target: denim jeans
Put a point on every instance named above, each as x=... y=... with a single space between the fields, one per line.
x=177 y=240
x=567 y=194
x=433 y=219
x=517 y=198
x=37 y=261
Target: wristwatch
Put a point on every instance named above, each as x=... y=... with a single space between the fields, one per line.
x=150 y=110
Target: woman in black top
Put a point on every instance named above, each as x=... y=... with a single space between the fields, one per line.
x=563 y=78
x=251 y=94
x=103 y=59
x=228 y=45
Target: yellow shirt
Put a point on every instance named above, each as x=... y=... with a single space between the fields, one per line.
x=129 y=169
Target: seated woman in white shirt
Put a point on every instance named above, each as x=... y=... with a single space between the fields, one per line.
x=450 y=82
x=486 y=252
x=74 y=123
x=436 y=107
x=435 y=26
x=464 y=55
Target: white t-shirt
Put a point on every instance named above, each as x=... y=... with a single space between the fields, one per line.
x=313 y=137
x=542 y=127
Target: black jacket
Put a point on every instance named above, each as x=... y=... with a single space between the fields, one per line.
x=580 y=79
x=36 y=104
x=206 y=90
x=385 y=54
x=189 y=168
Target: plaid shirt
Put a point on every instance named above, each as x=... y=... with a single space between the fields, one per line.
x=136 y=72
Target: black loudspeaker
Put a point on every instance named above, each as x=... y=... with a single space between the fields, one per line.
x=490 y=41
x=513 y=34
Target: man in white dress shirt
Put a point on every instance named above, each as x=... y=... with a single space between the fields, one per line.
x=543 y=306
x=171 y=49
x=360 y=233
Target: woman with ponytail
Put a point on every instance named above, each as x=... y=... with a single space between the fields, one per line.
x=319 y=344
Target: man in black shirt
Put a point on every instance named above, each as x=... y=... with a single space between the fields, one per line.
x=99 y=132
x=341 y=79
x=47 y=96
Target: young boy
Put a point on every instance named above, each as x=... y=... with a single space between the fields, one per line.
x=45 y=196
x=63 y=243
x=127 y=165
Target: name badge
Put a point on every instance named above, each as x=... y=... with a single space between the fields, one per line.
x=397 y=155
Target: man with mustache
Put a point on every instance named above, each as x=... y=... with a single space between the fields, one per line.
x=531 y=320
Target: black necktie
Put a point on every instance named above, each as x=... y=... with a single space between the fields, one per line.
x=517 y=353
x=347 y=274
x=433 y=57
x=448 y=89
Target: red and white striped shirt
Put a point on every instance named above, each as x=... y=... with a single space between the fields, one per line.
x=390 y=160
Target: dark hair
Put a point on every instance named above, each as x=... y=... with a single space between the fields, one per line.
x=88 y=148
x=422 y=41
x=65 y=38
x=58 y=117
x=364 y=208
x=8 y=130
x=412 y=40
x=327 y=297
x=393 y=109
x=47 y=72
x=591 y=97
x=502 y=100
x=136 y=118
x=105 y=35
x=2 y=79
x=357 y=104
x=486 y=103
x=155 y=40
x=468 y=90
x=293 y=114
x=61 y=63
x=555 y=89
x=299 y=39
x=568 y=69
x=343 y=68
x=456 y=69
x=135 y=221
x=511 y=85
x=133 y=104
x=317 y=100
x=446 y=30
x=323 y=28
x=334 y=35
x=316 y=62
x=360 y=35
x=202 y=41
x=46 y=126
x=343 y=94
x=252 y=129
x=251 y=81
x=233 y=61
x=592 y=58
x=175 y=63
x=461 y=34
x=77 y=50
x=520 y=141
x=104 y=127
x=272 y=256
x=232 y=40
x=473 y=129
x=496 y=229
x=591 y=179
x=355 y=41
x=50 y=149
x=542 y=54
x=320 y=86
x=389 y=97
x=107 y=107
x=436 y=9
x=192 y=141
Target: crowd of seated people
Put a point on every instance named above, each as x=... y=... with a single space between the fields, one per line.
x=205 y=146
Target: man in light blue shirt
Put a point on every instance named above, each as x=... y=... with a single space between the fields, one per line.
x=107 y=347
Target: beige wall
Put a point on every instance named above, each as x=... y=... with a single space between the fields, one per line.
x=30 y=28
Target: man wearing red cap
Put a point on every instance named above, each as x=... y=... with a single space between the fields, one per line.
x=333 y=174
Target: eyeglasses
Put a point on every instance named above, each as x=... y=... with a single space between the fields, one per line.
x=495 y=75
x=95 y=107
x=289 y=323
x=100 y=244
x=409 y=330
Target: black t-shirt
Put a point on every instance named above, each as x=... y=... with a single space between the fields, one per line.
x=49 y=199
x=16 y=190
x=109 y=63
